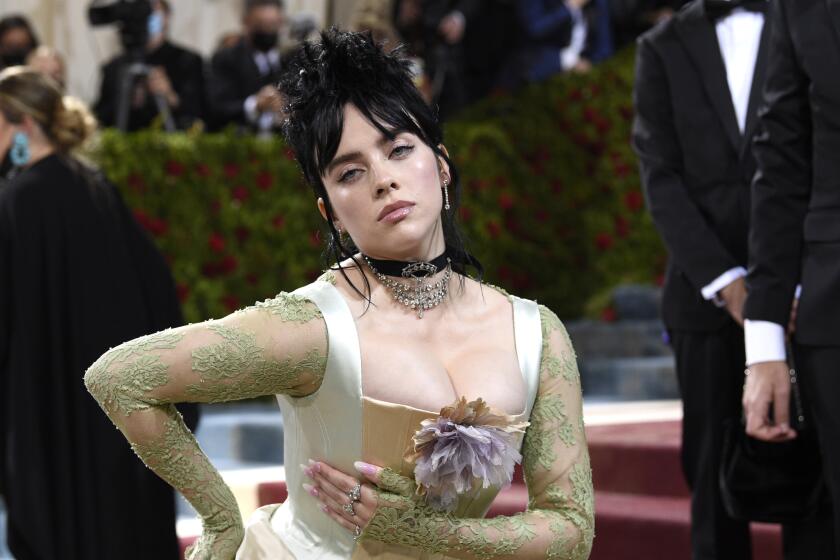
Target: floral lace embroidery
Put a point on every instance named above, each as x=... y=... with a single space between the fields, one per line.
x=239 y=361
x=118 y=383
x=291 y=308
x=176 y=458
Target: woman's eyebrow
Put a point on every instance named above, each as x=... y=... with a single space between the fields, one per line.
x=350 y=156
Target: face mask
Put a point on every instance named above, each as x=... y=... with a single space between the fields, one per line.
x=14 y=57
x=264 y=41
x=155 y=24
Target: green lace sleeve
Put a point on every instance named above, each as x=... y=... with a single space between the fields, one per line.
x=277 y=346
x=559 y=521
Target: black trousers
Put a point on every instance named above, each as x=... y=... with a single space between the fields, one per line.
x=818 y=369
x=710 y=370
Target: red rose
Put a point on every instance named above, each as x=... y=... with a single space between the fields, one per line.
x=141 y=217
x=279 y=221
x=626 y=111
x=202 y=170
x=465 y=213
x=622 y=226
x=621 y=169
x=590 y=114
x=603 y=125
x=136 y=183
x=603 y=241
x=231 y=170
x=242 y=234
x=183 y=292
x=210 y=269
x=228 y=264
x=216 y=243
x=264 y=181
x=315 y=238
x=289 y=154
x=230 y=302
x=240 y=193
x=493 y=229
x=505 y=201
x=174 y=168
x=633 y=201
x=158 y=226
x=609 y=315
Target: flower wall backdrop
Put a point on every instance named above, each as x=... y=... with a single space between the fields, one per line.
x=551 y=200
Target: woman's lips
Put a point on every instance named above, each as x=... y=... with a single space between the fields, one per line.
x=397 y=215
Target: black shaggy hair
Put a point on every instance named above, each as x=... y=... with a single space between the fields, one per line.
x=350 y=67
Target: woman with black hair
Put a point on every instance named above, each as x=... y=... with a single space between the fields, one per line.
x=363 y=359
x=17 y=40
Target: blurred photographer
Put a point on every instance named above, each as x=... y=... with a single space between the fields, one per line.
x=175 y=76
x=241 y=87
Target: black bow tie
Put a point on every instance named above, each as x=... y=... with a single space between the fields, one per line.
x=717 y=9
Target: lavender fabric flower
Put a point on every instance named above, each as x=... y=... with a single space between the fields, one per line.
x=467 y=444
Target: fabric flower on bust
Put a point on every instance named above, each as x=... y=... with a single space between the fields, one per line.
x=468 y=443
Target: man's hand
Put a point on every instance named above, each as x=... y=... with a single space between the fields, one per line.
x=268 y=100
x=159 y=84
x=452 y=27
x=734 y=295
x=768 y=384
x=582 y=66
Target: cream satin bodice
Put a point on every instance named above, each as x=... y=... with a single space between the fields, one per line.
x=339 y=425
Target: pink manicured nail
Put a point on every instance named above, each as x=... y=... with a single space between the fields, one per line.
x=365 y=468
x=314 y=466
x=311 y=490
x=325 y=509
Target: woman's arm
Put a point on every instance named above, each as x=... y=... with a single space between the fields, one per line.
x=278 y=346
x=559 y=521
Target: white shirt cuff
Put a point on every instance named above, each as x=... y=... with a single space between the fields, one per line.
x=710 y=290
x=764 y=341
x=250 y=107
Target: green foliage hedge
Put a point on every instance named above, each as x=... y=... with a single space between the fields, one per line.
x=551 y=200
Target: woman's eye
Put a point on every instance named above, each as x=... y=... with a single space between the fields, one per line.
x=401 y=151
x=349 y=175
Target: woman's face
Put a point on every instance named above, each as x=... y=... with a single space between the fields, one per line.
x=386 y=194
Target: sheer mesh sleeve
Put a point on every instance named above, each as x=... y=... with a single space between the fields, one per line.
x=277 y=346
x=559 y=521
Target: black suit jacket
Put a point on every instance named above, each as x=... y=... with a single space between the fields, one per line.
x=696 y=165
x=185 y=70
x=795 y=235
x=234 y=76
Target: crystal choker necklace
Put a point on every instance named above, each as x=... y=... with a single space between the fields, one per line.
x=417 y=294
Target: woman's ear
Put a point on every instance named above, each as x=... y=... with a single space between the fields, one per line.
x=322 y=208
x=444 y=167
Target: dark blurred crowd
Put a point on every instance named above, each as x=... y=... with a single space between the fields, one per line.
x=462 y=49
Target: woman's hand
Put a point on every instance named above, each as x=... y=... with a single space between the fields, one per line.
x=334 y=489
x=216 y=545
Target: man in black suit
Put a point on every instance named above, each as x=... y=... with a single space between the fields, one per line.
x=795 y=238
x=698 y=81
x=243 y=77
x=176 y=76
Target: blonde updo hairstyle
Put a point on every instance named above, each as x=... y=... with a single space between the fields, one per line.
x=64 y=120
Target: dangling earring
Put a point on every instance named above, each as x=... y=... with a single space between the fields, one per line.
x=19 y=153
x=446 y=194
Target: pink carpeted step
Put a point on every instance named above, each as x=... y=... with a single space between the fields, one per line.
x=641 y=458
x=629 y=527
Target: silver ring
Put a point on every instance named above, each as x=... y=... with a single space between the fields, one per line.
x=355 y=494
x=357 y=533
x=349 y=508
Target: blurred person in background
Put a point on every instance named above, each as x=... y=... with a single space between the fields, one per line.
x=47 y=61
x=175 y=74
x=242 y=77
x=17 y=40
x=563 y=36
x=77 y=276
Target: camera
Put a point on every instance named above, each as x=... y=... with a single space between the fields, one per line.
x=132 y=16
